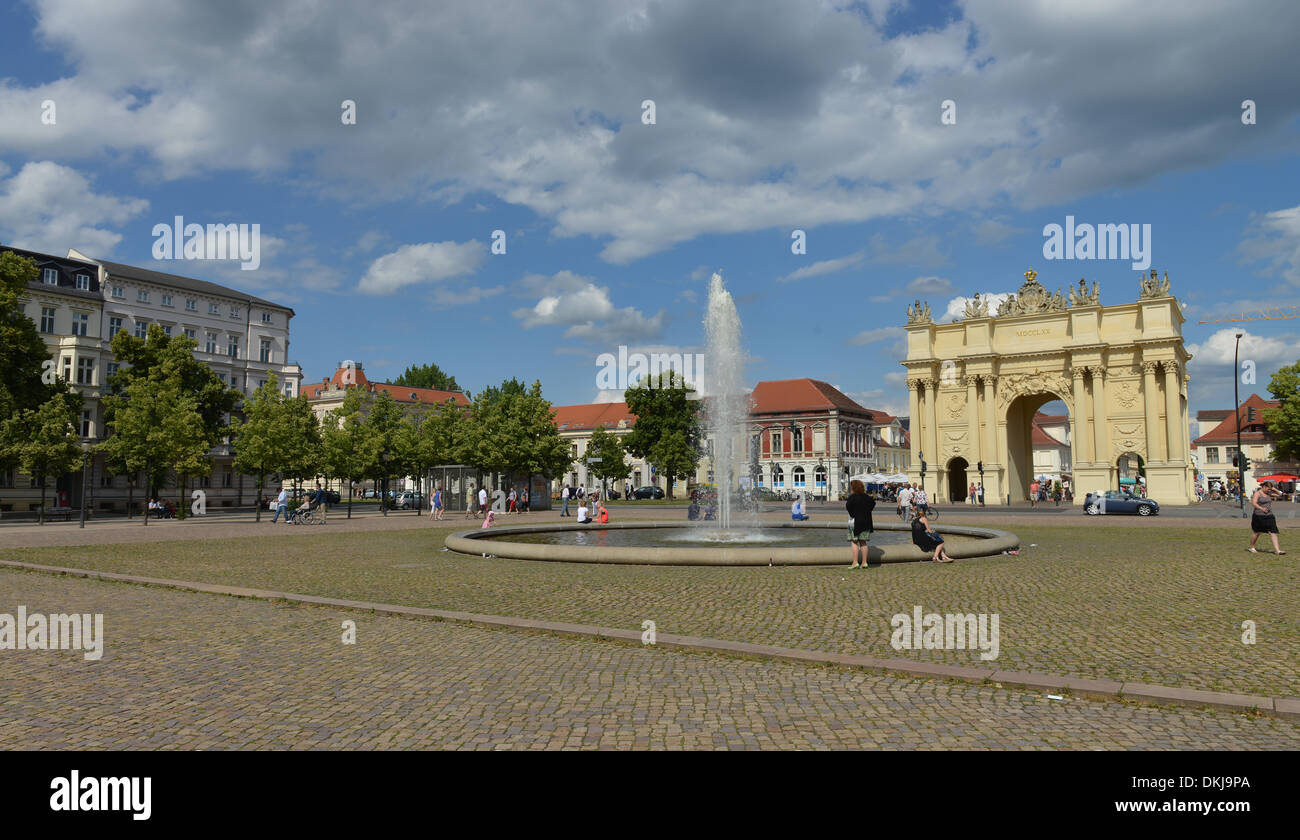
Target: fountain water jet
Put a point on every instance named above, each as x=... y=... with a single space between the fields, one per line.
x=727 y=409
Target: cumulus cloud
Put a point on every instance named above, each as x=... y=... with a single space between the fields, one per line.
x=877 y=334
x=587 y=311
x=957 y=306
x=428 y=262
x=1212 y=374
x=1274 y=239
x=50 y=208
x=814 y=113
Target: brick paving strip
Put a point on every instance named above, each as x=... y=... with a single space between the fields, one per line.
x=1282 y=707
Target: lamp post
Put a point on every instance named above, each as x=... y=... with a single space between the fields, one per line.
x=980 y=466
x=383 y=499
x=922 y=454
x=820 y=469
x=1236 y=409
x=85 y=462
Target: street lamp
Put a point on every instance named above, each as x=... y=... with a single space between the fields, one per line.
x=85 y=462
x=980 y=466
x=922 y=455
x=820 y=469
x=1236 y=409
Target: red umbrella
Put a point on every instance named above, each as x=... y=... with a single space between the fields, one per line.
x=1279 y=477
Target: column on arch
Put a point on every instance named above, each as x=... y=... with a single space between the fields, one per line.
x=1150 y=403
x=917 y=423
x=1177 y=449
x=1079 y=423
x=1100 y=440
x=932 y=420
x=990 y=422
x=972 y=422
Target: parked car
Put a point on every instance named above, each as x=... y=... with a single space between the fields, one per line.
x=333 y=497
x=410 y=499
x=648 y=492
x=370 y=494
x=1119 y=501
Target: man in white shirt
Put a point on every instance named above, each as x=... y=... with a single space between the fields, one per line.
x=905 y=502
x=482 y=500
x=282 y=505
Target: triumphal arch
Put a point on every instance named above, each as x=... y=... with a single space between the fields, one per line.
x=975 y=385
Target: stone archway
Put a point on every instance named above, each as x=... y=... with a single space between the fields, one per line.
x=975 y=383
x=957 y=480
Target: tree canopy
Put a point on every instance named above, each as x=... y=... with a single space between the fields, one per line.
x=667 y=430
x=22 y=352
x=427 y=376
x=1284 y=421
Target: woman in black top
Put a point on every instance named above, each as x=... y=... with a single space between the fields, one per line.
x=927 y=539
x=859 y=507
x=1262 y=520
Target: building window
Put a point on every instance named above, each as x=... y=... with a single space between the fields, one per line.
x=85 y=371
x=167 y=330
x=232 y=346
x=234 y=382
x=213 y=309
x=211 y=345
x=261 y=383
x=80 y=323
x=67 y=368
x=191 y=305
x=798 y=475
x=234 y=312
x=819 y=478
x=142 y=296
x=111 y=368
x=266 y=351
x=798 y=440
x=85 y=424
x=114 y=326
x=776 y=444
x=228 y=479
x=50 y=277
x=83 y=282
x=190 y=334
x=119 y=292
x=7 y=479
x=47 y=319
x=1212 y=455
x=266 y=317
x=288 y=389
x=141 y=329
x=778 y=477
x=166 y=300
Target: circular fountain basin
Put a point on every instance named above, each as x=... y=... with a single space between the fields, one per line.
x=675 y=544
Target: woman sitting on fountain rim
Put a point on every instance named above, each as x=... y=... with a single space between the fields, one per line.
x=859 y=507
x=796 y=510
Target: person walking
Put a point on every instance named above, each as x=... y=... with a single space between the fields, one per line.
x=524 y=501
x=435 y=511
x=1262 y=520
x=927 y=539
x=1034 y=487
x=482 y=500
x=512 y=498
x=471 y=504
x=859 y=507
x=282 y=505
x=904 y=502
x=564 y=497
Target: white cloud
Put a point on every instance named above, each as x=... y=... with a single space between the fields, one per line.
x=1275 y=240
x=428 y=262
x=50 y=208
x=877 y=334
x=824 y=267
x=1212 y=375
x=587 y=311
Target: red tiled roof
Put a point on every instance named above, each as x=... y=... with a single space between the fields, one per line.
x=576 y=417
x=787 y=395
x=1226 y=431
x=356 y=378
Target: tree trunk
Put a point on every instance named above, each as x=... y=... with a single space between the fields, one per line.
x=180 y=496
x=148 y=487
x=261 y=479
x=130 y=496
x=349 y=498
x=40 y=514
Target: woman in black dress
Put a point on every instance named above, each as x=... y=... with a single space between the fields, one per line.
x=859 y=507
x=1262 y=520
x=927 y=539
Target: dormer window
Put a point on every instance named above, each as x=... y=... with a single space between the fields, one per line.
x=50 y=276
x=83 y=282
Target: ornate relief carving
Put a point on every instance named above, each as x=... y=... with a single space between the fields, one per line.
x=1019 y=384
x=971 y=380
x=1127 y=437
x=1077 y=373
x=1032 y=298
x=1126 y=396
x=976 y=307
x=1169 y=367
x=956 y=405
x=1148 y=367
x=954 y=443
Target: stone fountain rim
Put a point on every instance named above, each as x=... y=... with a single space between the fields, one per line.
x=992 y=541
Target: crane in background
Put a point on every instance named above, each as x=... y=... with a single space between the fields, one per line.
x=1258 y=315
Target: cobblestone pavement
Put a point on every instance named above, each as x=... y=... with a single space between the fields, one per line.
x=1130 y=603
x=193 y=671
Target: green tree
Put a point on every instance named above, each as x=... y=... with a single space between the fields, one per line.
x=514 y=432
x=1284 y=421
x=277 y=434
x=43 y=441
x=349 y=445
x=386 y=419
x=667 y=430
x=23 y=355
x=427 y=376
x=157 y=428
x=605 y=457
x=507 y=387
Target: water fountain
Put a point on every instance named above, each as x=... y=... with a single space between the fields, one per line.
x=730 y=540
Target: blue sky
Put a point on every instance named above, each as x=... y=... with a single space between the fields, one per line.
x=770 y=117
